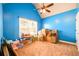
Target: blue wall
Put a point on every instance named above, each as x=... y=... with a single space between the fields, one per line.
x=1 y=24
x=65 y=23
x=10 y=18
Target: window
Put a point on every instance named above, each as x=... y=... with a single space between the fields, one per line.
x=27 y=26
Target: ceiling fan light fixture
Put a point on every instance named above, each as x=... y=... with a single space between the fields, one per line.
x=41 y=11
x=44 y=11
x=44 y=8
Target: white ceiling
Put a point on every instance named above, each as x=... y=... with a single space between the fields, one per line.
x=56 y=8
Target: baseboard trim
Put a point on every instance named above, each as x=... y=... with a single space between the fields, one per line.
x=67 y=42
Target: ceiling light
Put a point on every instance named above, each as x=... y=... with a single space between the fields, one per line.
x=44 y=11
x=41 y=11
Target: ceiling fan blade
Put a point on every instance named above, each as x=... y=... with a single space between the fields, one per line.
x=43 y=6
x=47 y=10
x=38 y=8
x=50 y=5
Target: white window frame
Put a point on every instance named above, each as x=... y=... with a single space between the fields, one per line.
x=27 y=24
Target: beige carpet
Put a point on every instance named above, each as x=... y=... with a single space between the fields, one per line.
x=40 y=48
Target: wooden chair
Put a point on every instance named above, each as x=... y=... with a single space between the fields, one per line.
x=5 y=51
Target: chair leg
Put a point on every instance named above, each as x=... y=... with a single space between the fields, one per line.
x=0 y=53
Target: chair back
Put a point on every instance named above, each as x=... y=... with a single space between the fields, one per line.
x=4 y=47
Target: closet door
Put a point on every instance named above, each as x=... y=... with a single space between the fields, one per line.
x=77 y=30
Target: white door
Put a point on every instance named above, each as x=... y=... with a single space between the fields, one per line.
x=77 y=30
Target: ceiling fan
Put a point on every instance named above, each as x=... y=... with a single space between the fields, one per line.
x=44 y=9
